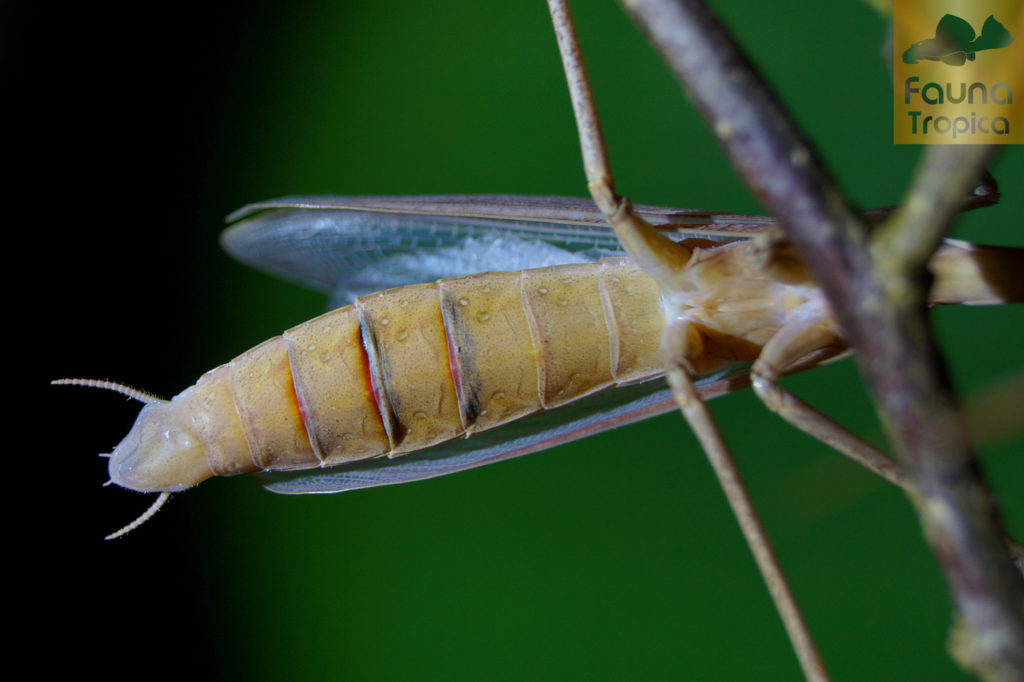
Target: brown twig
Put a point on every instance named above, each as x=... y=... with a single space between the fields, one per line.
x=876 y=284
x=956 y=509
x=908 y=238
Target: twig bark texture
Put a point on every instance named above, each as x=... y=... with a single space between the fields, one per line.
x=876 y=283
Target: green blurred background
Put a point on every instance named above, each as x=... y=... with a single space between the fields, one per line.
x=607 y=559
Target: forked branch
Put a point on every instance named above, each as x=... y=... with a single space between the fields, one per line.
x=876 y=284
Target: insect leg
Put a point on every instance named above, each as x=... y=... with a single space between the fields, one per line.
x=659 y=256
x=664 y=260
x=676 y=351
x=793 y=345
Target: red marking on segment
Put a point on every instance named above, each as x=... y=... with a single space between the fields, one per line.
x=297 y=403
x=369 y=386
x=447 y=310
x=453 y=363
x=369 y=371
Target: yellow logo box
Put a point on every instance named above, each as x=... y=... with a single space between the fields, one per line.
x=958 y=69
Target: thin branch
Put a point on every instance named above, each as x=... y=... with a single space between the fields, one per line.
x=880 y=306
x=908 y=239
x=956 y=509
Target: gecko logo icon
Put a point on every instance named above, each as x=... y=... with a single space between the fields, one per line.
x=957 y=86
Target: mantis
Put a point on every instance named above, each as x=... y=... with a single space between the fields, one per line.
x=632 y=193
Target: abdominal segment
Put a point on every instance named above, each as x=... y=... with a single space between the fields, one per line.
x=412 y=367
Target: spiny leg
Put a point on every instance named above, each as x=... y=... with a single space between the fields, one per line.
x=663 y=260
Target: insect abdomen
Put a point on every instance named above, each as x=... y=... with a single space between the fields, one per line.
x=415 y=366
